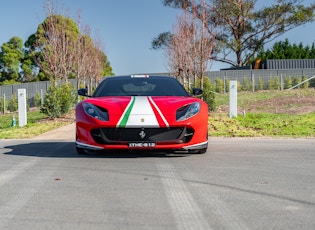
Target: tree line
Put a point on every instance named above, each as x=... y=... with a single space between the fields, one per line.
x=228 y=31
x=58 y=50
x=286 y=50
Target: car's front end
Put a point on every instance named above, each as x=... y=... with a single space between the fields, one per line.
x=159 y=123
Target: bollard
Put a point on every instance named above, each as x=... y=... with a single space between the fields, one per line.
x=13 y=123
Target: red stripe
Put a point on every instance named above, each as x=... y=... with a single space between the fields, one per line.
x=157 y=115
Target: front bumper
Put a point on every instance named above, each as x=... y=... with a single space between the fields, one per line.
x=184 y=149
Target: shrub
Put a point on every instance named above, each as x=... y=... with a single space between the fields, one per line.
x=219 y=85
x=58 y=101
x=296 y=81
x=276 y=83
x=305 y=85
x=287 y=82
x=51 y=105
x=273 y=83
x=13 y=104
x=208 y=94
x=38 y=100
x=260 y=84
x=245 y=86
x=67 y=97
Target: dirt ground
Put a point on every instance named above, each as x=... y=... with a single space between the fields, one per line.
x=295 y=104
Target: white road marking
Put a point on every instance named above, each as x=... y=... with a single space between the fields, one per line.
x=185 y=210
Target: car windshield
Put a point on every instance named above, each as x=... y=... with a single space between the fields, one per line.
x=142 y=86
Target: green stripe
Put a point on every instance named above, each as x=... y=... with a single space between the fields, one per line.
x=127 y=114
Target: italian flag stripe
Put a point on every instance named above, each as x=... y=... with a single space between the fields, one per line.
x=142 y=111
x=159 y=116
x=124 y=118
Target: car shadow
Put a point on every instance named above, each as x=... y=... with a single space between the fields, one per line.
x=61 y=149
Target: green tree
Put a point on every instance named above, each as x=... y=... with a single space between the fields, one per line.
x=61 y=51
x=245 y=29
x=10 y=58
x=285 y=50
x=52 y=46
x=107 y=70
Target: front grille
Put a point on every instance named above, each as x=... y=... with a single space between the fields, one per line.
x=162 y=135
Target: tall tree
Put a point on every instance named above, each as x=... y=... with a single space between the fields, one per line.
x=61 y=50
x=245 y=29
x=55 y=40
x=10 y=58
x=189 y=49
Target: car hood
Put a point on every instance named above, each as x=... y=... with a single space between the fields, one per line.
x=142 y=110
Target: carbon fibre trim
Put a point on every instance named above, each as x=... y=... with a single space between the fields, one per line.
x=157 y=135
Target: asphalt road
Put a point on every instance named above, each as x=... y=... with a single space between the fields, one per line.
x=250 y=183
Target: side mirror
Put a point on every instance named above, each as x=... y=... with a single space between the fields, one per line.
x=197 y=91
x=83 y=92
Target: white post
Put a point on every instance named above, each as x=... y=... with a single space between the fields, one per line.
x=233 y=99
x=41 y=97
x=22 y=107
x=4 y=104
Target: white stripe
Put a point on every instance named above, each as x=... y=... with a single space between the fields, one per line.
x=159 y=111
x=142 y=114
x=185 y=210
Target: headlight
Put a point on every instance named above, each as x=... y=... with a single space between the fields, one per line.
x=187 y=111
x=96 y=112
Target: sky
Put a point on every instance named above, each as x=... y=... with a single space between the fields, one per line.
x=126 y=28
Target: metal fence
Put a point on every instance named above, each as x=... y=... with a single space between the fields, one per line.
x=32 y=88
x=261 y=79
x=253 y=76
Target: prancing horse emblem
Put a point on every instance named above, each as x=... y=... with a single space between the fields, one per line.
x=142 y=134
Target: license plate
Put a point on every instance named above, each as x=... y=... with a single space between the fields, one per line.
x=141 y=145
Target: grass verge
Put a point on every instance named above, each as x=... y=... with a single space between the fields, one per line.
x=37 y=123
x=288 y=113
x=263 y=124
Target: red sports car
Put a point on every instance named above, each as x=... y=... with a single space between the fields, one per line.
x=141 y=112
